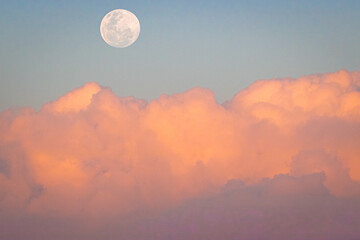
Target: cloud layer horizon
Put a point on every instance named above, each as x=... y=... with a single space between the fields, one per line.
x=280 y=160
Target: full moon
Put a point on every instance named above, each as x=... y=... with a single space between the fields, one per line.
x=120 y=28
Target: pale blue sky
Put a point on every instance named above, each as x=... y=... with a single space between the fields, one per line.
x=49 y=47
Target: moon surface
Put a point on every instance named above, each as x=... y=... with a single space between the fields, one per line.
x=120 y=28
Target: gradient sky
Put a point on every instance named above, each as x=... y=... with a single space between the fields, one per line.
x=50 y=47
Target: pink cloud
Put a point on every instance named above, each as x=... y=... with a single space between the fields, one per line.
x=101 y=162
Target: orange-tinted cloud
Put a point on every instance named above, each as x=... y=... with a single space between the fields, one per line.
x=93 y=157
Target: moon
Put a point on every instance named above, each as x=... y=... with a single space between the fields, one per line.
x=120 y=28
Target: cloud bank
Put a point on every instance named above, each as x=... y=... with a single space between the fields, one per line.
x=279 y=160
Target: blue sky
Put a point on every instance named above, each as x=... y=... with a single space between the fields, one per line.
x=49 y=47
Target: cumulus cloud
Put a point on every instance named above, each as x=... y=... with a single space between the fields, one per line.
x=92 y=164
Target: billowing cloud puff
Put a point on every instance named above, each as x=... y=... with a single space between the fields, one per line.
x=93 y=165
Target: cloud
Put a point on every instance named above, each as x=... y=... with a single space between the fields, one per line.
x=92 y=162
x=283 y=207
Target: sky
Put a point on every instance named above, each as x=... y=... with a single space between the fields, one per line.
x=224 y=120
x=50 y=47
